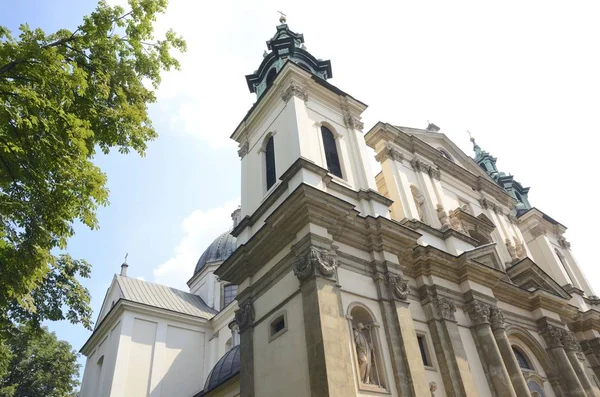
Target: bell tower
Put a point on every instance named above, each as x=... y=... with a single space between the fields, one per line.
x=310 y=218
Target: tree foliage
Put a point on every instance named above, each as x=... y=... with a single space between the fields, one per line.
x=33 y=362
x=64 y=96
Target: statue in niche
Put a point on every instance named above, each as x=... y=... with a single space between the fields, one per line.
x=432 y=388
x=419 y=200
x=511 y=250
x=364 y=353
x=442 y=216
x=456 y=223
x=520 y=248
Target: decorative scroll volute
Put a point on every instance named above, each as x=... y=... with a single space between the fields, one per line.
x=445 y=308
x=316 y=262
x=244 y=316
x=398 y=285
x=552 y=335
x=479 y=312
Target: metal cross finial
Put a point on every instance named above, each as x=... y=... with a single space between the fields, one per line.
x=283 y=17
x=126 y=255
x=470 y=136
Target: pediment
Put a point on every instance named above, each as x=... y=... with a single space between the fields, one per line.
x=529 y=276
x=485 y=254
x=113 y=294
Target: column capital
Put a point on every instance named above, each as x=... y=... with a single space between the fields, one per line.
x=445 y=308
x=398 y=286
x=244 y=316
x=294 y=90
x=552 y=335
x=317 y=262
x=389 y=152
x=570 y=342
x=479 y=312
x=497 y=318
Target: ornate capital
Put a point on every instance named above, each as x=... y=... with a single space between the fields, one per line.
x=497 y=318
x=398 y=285
x=513 y=219
x=244 y=316
x=552 y=335
x=419 y=166
x=316 y=262
x=389 y=152
x=445 y=308
x=570 y=342
x=294 y=90
x=243 y=150
x=564 y=243
x=435 y=173
x=538 y=230
x=352 y=122
x=479 y=312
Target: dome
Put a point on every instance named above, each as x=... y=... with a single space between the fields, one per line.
x=218 y=251
x=227 y=367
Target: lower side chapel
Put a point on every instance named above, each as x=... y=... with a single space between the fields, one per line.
x=435 y=277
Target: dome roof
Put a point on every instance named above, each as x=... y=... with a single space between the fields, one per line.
x=218 y=251
x=227 y=367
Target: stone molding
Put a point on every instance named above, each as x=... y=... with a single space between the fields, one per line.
x=552 y=335
x=570 y=342
x=487 y=204
x=349 y=120
x=445 y=308
x=592 y=347
x=420 y=166
x=564 y=243
x=389 y=152
x=398 y=286
x=538 y=230
x=316 y=262
x=244 y=316
x=294 y=90
x=244 y=148
x=479 y=312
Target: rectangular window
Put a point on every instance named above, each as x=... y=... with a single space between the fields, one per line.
x=423 y=349
x=229 y=294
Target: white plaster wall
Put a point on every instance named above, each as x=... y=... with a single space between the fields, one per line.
x=183 y=363
x=140 y=358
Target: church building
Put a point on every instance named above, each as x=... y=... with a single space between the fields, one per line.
x=435 y=277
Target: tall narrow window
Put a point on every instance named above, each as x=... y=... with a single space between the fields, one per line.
x=331 y=152
x=271 y=77
x=423 y=349
x=270 y=162
x=229 y=294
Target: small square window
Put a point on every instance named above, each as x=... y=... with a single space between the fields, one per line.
x=278 y=326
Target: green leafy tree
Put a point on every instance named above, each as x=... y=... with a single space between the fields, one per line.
x=36 y=363
x=63 y=97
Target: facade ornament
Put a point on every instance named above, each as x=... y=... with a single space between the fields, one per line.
x=435 y=173
x=364 y=353
x=349 y=120
x=243 y=150
x=538 y=230
x=432 y=388
x=513 y=219
x=389 y=152
x=497 y=318
x=519 y=248
x=420 y=166
x=479 y=312
x=570 y=342
x=564 y=243
x=552 y=335
x=294 y=90
x=317 y=261
x=244 y=316
x=511 y=250
x=442 y=216
x=445 y=308
x=419 y=200
x=455 y=222
x=398 y=285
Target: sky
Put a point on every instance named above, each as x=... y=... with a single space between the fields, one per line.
x=522 y=77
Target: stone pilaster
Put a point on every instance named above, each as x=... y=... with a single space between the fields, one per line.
x=407 y=365
x=553 y=337
x=448 y=346
x=479 y=313
x=510 y=361
x=573 y=350
x=327 y=343
x=244 y=318
x=591 y=348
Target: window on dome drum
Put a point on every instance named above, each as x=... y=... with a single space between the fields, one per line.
x=523 y=363
x=278 y=326
x=270 y=163
x=424 y=351
x=331 y=152
x=229 y=294
x=271 y=76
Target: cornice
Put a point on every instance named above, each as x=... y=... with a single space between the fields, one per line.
x=418 y=225
x=585 y=321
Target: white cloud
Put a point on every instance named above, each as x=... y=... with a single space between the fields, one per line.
x=200 y=228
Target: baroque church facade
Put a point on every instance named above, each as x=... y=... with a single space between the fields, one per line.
x=435 y=277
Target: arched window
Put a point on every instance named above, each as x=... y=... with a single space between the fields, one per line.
x=271 y=76
x=523 y=362
x=367 y=350
x=229 y=294
x=270 y=163
x=445 y=154
x=331 y=152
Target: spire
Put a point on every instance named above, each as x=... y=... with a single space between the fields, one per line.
x=285 y=46
x=476 y=147
x=124 y=267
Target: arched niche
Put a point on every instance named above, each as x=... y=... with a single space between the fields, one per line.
x=367 y=349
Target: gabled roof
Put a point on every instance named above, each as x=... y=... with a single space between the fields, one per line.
x=527 y=275
x=163 y=297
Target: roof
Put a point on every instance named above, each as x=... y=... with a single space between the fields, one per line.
x=163 y=297
x=226 y=368
x=217 y=251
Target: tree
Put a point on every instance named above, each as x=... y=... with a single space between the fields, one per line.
x=38 y=365
x=63 y=97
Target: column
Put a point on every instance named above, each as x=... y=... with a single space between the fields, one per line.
x=553 y=336
x=510 y=361
x=327 y=338
x=573 y=350
x=592 y=351
x=448 y=346
x=244 y=317
x=479 y=313
x=407 y=364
